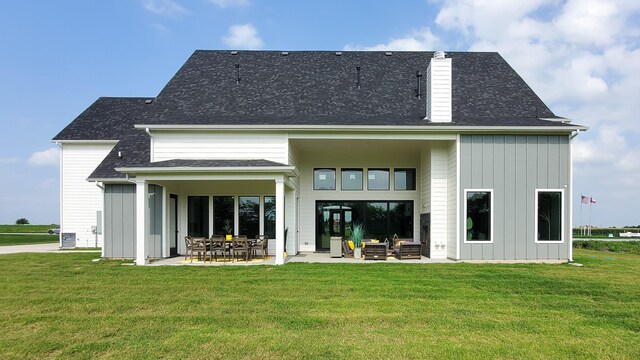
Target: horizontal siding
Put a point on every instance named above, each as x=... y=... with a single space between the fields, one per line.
x=233 y=146
x=81 y=200
x=514 y=166
x=452 y=238
x=440 y=90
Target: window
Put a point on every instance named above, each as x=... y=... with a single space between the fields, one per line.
x=198 y=216
x=222 y=214
x=378 y=179
x=324 y=179
x=249 y=216
x=270 y=216
x=549 y=216
x=404 y=179
x=351 y=179
x=479 y=223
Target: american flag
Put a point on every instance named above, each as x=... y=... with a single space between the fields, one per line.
x=586 y=199
x=593 y=201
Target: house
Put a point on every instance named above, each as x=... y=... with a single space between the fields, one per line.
x=454 y=150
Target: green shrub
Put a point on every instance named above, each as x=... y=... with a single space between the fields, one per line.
x=22 y=221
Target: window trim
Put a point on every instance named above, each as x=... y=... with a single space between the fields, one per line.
x=415 y=178
x=335 y=178
x=491 y=218
x=388 y=170
x=562 y=217
x=362 y=172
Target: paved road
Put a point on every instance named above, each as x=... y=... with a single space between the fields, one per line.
x=14 y=249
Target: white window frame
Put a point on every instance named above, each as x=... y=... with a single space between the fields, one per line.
x=491 y=222
x=562 y=217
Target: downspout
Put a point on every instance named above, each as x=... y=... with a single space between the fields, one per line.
x=102 y=216
x=151 y=157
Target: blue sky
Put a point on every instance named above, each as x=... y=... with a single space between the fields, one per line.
x=582 y=57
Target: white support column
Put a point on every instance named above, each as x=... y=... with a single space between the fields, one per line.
x=165 y=222
x=279 y=221
x=141 y=221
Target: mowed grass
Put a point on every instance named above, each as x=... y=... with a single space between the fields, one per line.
x=18 y=239
x=26 y=228
x=66 y=306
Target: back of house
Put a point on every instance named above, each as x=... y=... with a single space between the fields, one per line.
x=452 y=150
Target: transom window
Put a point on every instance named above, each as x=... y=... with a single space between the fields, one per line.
x=549 y=219
x=351 y=179
x=479 y=215
x=404 y=179
x=324 y=179
x=378 y=179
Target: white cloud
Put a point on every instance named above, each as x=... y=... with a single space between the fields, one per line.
x=223 y=4
x=421 y=39
x=50 y=156
x=243 y=36
x=582 y=58
x=169 y=8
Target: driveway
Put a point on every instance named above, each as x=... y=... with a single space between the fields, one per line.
x=13 y=249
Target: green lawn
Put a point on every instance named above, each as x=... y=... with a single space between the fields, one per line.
x=26 y=228
x=66 y=306
x=16 y=239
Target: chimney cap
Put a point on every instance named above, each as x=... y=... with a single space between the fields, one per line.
x=439 y=55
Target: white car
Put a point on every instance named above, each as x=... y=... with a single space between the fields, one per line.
x=54 y=231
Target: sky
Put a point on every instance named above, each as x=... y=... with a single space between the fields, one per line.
x=581 y=57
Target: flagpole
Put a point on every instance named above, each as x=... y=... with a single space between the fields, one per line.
x=581 y=224
x=590 y=225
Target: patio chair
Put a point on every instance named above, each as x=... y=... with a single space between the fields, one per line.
x=217 y=244
x=196 y=244
x=240 y=245
x=346 y=250
x=408 y=250
x=262 y=243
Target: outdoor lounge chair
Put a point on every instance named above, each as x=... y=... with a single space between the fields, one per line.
x=407 y=250
x=346 y=250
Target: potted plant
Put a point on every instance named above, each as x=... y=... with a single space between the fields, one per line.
x=228 y=229
x=357 y=234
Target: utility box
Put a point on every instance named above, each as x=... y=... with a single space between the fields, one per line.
x=335 y=245
x=68 y=240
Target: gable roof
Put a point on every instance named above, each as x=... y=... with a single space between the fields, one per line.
x=322 y=88
x=108 y=118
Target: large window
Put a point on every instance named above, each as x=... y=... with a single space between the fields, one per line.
x=324 y=179
x=222 y=214
x=270 y=216
x=378 y=179
x=198 y=216
x=479 y=222
x=351 y=179
x=549 y=215
x=249 y=216
x=404 y=179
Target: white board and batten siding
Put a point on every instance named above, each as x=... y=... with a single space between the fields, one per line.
x=80 y=199
x=210 y=145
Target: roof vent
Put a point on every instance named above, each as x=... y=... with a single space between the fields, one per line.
x=148 y=101
x=388 y=53
x=338 y=53
x=119 y=154
x=234 y=53
x=285 y=53
x=439 y=55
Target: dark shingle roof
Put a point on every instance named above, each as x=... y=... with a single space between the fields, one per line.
x=134 y=148
x=320 y=88
x=108 y=118
x=206 y=163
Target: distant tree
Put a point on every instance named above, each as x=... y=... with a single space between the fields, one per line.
x=22 y=221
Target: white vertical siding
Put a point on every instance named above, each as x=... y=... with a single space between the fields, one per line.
x=210 y=145
x=452 y=238
x=439 y=81
x=425 y=180
x=80 y=199
x=439 y=200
